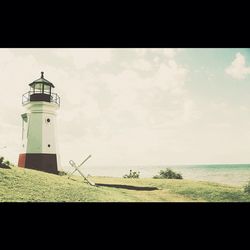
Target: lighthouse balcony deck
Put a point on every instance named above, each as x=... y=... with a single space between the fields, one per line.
x=30 y=96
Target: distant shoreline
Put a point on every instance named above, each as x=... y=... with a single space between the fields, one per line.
x=231 y=174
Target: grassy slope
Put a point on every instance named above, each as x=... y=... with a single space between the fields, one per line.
x=28 y=185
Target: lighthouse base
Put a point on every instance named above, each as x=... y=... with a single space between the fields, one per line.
x=41 y=162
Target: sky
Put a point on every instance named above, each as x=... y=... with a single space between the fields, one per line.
x=135 y=106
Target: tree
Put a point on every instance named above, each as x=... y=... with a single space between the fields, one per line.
x=247 y=188
x=168 y=174
x=132 y=174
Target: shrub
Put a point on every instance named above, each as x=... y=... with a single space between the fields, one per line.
x=61 y=173
x=132 y=174
x=4 y=164
x=247 y=188
x=168 y=174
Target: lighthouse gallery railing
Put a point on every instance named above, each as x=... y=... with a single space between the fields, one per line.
x=53 y=97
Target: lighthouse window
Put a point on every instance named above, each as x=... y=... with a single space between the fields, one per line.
x=48 y=120
x=49 y=145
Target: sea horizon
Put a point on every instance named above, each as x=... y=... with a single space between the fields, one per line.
x=228 y=173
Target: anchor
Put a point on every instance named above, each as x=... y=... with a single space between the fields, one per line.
x=73 y=164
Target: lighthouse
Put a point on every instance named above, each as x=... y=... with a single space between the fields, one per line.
x=39 y=142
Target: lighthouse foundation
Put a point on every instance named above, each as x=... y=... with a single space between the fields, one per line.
x=41 y=162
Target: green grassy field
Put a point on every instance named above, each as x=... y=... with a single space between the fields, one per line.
x=24 y=185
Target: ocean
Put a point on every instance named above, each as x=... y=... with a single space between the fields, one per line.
x=232 y=174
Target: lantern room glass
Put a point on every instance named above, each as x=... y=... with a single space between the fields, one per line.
x=40 y=88
x=47 y=89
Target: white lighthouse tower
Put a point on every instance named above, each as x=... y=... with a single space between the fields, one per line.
x=39 y=144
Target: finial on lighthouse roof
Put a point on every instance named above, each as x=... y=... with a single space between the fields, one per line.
x=42 y=74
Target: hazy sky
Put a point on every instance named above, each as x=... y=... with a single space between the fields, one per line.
x=135 y=106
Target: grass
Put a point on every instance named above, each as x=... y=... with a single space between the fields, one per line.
x=25 y=185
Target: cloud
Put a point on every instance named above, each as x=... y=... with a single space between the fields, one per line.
x=170 y=53
x=244 y=109
x=139 y=64
x=238 y=68
x=83 y=57
x=119 y=115
x=166 y=52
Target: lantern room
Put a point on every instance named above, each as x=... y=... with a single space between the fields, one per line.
x=41 y=90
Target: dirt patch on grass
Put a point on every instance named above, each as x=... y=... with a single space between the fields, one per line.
x=137 y=188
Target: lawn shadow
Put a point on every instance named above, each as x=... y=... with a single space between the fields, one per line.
x=137 y=188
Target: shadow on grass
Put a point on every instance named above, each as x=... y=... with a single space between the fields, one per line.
x=137 y=188
x=5 y=167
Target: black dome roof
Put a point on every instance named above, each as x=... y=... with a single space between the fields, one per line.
x=42 y=80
